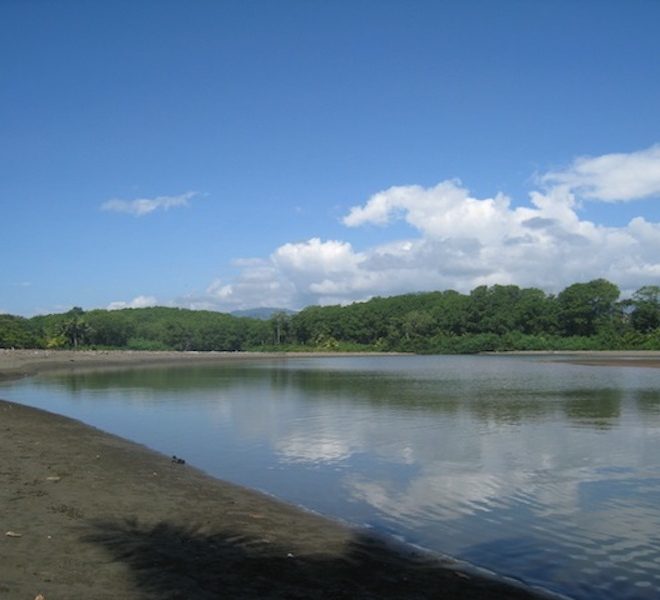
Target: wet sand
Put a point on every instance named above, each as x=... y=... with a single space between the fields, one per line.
x=647 y=359
x=601 y=358
x=87 y=515
x=21 y=363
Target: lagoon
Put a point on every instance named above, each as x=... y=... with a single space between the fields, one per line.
x=533 y=468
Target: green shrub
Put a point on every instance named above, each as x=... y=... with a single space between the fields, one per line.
x=144 y=344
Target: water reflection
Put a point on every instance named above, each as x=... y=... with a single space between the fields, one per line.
x=443 y=391
x=544 y=471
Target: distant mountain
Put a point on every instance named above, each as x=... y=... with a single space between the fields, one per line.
x=264 y=313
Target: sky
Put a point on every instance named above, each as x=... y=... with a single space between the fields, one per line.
x=228 y=155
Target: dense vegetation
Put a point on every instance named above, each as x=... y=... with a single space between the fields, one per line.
x=584 y=316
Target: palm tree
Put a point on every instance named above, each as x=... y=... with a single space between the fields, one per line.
x=75 y=329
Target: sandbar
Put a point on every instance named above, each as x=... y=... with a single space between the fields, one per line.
x=595 y=358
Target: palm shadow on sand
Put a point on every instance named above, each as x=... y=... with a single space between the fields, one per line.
x=171 y=562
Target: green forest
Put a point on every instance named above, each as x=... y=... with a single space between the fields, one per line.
x=583 y=316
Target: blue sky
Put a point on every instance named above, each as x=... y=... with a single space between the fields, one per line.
x=227 y=155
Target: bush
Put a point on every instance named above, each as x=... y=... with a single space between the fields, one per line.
x=143 y=344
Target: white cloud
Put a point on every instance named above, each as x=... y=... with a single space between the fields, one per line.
x=459 y=241
x=137 y=302
x=144 y=206
x=259 y=284
x=434 y=211
x=315 y=256
x=612 y=177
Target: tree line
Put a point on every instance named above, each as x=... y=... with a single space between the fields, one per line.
x=583 y=316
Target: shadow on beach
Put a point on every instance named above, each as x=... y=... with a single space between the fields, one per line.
x=174 y=562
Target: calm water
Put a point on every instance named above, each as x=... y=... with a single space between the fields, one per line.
x=543 y=471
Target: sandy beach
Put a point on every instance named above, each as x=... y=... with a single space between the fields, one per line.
x=21 y=363
x=600 y=358
x=87 y=515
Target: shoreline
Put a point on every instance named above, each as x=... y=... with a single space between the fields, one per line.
x=593 y=358
x=94 y=516
x=15 y=364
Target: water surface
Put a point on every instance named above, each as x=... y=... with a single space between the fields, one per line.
x=543 y=471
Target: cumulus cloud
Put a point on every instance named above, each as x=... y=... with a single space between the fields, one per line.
x=259 y=284
x=137 y=302
x=460 y=241
x=612 y=177
x=144 y=206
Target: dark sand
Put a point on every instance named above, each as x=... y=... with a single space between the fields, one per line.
x=92 y=516
x=604 y=358
x=20 y=363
